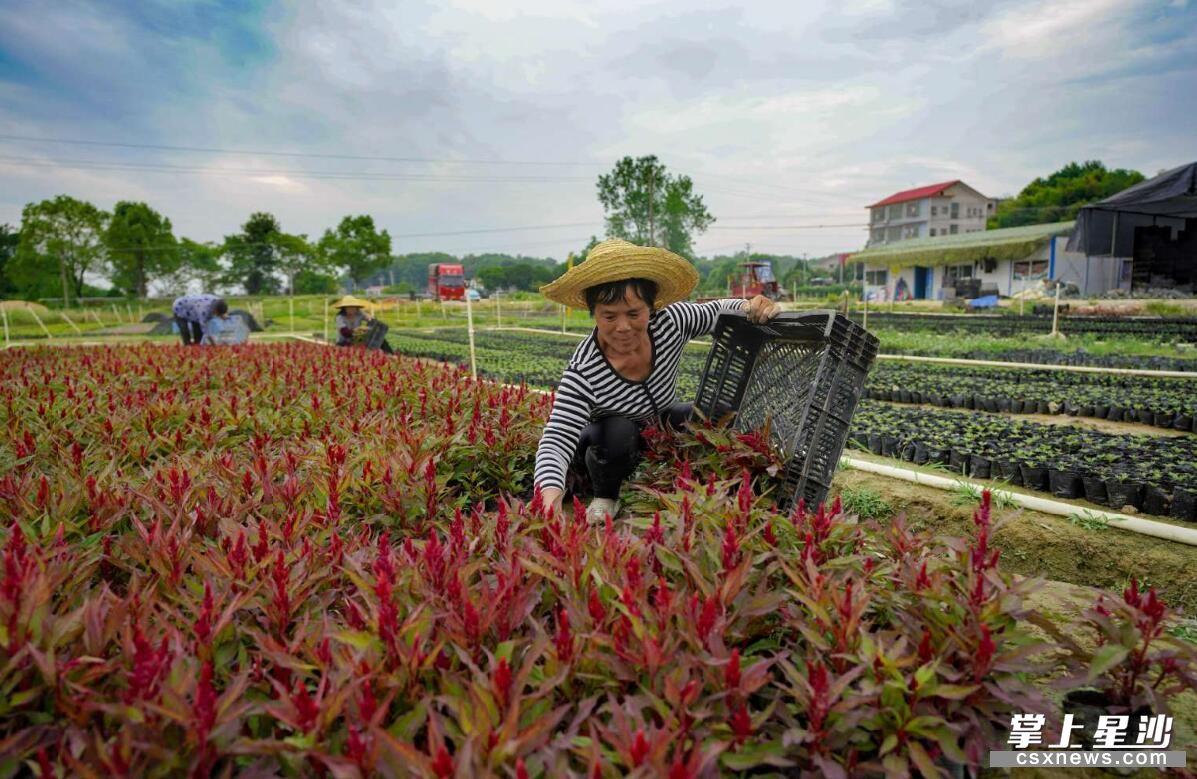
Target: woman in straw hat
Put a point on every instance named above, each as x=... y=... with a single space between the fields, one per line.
x=623 y=376
x=352 y=313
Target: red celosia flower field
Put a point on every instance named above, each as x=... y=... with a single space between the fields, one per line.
x=299 y=560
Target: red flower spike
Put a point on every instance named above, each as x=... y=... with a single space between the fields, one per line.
x=741 y=723
x=442 y=766
x=639 y=748
x=564 y=640
x=595 y=606
x=731 y=672
x=731 y=548
x=521 y=770
x=501 y=679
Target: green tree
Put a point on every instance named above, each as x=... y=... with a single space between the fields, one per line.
x=62 y=240
x=141 y=247
x=10 y=238
x=493 y=277
x=313 y=282
x=645 y=204
x=253 y=255
x=1060 y=196
x=356 y=247
x=297 y=255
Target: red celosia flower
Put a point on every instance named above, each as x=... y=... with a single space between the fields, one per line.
x=595 y=607
x=741 y=723
x=984 y=655
x=706 y=619
x=565 y=637
x=203 y=623
x=731 y=548
x=501 y=679
x=442 y=766
x=731 y=672
x=204 y=704
x=639 y=748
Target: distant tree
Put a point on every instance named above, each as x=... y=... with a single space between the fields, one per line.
x=1060 y=196
x=61 y=238
x=296 y=255
x=646 y=205
x=141 y=247
x=314 y=282
x=10 y=238
x=493 y=277
x=253 y=255
x=356 y=247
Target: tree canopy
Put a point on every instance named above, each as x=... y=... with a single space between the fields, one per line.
x=253 y=255
x=1060 y=196
x=141 y=247
x=645 y=204
x=356 y=247
x=61 y=241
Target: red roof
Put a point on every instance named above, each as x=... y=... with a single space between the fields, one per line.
x=915 y=194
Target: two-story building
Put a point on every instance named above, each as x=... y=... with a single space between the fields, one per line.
x=947 y=208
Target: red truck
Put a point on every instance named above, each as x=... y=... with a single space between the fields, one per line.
x=446 y=281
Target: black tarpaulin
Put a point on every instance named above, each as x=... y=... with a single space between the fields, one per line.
x=1164 y=201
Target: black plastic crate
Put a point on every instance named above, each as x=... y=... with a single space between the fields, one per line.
x=802 y=374
x=376 y=334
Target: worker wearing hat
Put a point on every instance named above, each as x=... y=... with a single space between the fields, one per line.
x=352 y=313
x=623 y=376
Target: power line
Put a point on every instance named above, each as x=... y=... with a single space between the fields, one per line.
x=277 y=153
x=259 y=172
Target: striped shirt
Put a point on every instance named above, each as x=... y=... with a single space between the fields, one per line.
x=591 y=389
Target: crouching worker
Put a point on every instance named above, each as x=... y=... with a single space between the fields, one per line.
x=623 y=376
x=353 y=317
x=194 y=315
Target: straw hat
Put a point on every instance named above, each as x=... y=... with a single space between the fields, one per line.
x=350 y=301
x=615 y=260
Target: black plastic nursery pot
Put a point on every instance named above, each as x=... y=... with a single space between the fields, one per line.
x=1101 y=412
x=958 y=461
x=1144 y=416
x=889 y=445
x=979 y=467
x=907 y=452
x=1116 y=414
x=1043 y=407
x=1088 y=706
x=1084 y=411
x=1182 y=421
x=1095 y=490
x=938 y=454
x=1065 y=484
x=1034 y=477
x=1004 y=405
x=1184 y=504
x=1164 y=418
x=1156 y=500
x=875 y=443
x=921 y=454
x=1125 y=493
x=1006 y=470
x=961 y=401
x=1016 y=406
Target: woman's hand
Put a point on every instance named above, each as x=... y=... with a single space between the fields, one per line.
x=551 y=497
x=761 y=309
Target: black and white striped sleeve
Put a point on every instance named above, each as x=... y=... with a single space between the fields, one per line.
x=572 y=407
x=695 y=319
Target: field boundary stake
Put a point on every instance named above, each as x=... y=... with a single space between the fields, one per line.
x=67 y=319
x=4 y=312
x=40 y=323
x=470 y=333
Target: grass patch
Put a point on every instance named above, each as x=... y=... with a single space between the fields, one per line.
x=865 y=502
x=1087 y=520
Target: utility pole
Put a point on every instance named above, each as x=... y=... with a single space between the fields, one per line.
x=652 y=236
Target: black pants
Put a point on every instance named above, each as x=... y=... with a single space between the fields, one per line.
x=609 y=449
x=191 y=332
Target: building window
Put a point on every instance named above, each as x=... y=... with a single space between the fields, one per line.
x=893 y=234
x=912 y=209
x=955 y=210
x=876 y=278
x=953 y=229
x=878 y=215
x=911 y=231
x=879 y=236
x=931 y=232
x=895 y=211
x=1030 y=270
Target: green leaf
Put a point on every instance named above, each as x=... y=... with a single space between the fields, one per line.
x=752 y=755
x=1106 y=658
x=357 y=639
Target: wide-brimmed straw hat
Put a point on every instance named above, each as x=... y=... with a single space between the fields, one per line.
x=615 y=260
x=350 y=301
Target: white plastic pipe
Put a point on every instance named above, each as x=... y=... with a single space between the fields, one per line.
x=1139 y=525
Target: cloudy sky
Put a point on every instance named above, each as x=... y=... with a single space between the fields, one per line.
x=485 y=122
